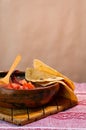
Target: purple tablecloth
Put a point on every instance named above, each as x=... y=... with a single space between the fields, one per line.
x=73 y=118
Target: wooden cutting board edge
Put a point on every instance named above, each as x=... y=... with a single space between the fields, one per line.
x=22 y=116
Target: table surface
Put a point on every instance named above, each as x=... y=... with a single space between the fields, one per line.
x=73 y=118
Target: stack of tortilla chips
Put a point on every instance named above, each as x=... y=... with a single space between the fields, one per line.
x=44 y=75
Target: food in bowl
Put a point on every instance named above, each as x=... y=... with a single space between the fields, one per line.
x=20 y=93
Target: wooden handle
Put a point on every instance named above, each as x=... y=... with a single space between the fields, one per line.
x=15 y=63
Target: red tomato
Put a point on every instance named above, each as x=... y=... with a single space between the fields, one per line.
x=24 y=85
x=15 y=86
x=29 y=85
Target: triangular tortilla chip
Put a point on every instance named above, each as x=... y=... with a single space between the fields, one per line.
x=43 y=67
x=36 y=75
x=68 y=86
x=67 y=92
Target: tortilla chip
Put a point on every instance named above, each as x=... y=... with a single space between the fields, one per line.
x=36 y=75
x=67 y=92
x=45 y=68
x=67 y=86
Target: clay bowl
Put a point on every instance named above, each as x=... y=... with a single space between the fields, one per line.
x=39 y=96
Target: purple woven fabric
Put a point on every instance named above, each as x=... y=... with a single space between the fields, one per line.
x=72 y=118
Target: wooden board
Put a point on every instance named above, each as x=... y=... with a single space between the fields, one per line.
x=28 y=115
